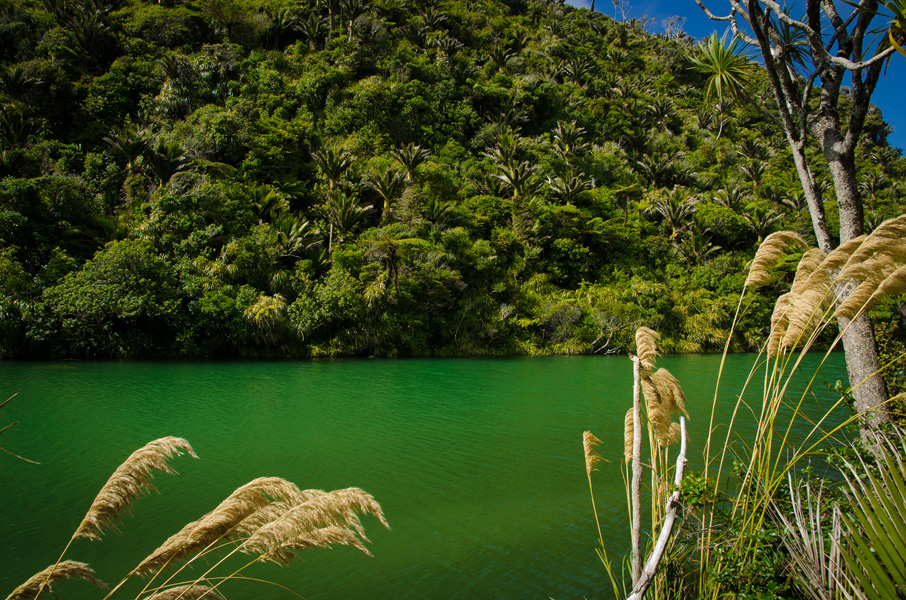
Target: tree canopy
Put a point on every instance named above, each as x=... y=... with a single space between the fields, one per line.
x=272 y=178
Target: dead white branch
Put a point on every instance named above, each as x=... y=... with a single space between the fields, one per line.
x=672 y=508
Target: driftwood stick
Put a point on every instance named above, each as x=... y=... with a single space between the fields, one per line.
x=636 y=533
x=654 y=559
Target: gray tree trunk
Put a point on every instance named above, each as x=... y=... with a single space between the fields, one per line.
x=862 y=361
x=862 y=364
x=812 y=197
x=838 y=145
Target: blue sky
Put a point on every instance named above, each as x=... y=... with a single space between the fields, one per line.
x=888 y=95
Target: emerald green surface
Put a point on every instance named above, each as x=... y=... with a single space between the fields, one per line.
x=478 y=464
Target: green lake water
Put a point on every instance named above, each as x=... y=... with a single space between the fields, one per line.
x=478 y=464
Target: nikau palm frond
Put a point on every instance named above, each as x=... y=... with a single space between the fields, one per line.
x=816 y=559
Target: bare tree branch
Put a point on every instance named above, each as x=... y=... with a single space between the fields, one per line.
x=711 y=15
x=673 y=502
x=636 y=533
x=844 y=41
x=806 y=96
x=845 y=28
x=817 y=43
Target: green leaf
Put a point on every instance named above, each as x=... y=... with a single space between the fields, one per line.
x=876 y=556
x=726 y=65
x=865 y=569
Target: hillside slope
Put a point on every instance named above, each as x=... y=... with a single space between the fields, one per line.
x=235 y=178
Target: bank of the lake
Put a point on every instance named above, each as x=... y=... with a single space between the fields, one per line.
x=478 y=464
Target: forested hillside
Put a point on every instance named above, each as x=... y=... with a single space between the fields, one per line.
x=454 y=177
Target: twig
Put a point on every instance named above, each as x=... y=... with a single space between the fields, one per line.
x=20 y=457
x=654 y=559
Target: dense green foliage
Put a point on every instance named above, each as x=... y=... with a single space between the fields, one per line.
x=275 y=178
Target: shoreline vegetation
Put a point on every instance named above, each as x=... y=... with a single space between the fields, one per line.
x=237 y=179
x=760 y=531
x=756 y=522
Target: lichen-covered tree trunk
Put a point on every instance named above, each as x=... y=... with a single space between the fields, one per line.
x=812 y=197
x=863 y=364
x=837 y=142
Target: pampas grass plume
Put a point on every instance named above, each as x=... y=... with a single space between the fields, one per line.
x=663 y=397
x=841 y=254
x=323 y=537
x=130 y=480
x=875 y=266
x=895 y=283
x=646 y=347
x=880 y=251
x=772 y=248
x=295 y=527
x=885 y=257
x=650 y=393
x=779 y=323
x=809 y=262
x=659 y=417
x=243 y=502
x=874 y=269
x=67 y=569
x=873 y=247
x=272 y=512
x=676 y=431
x=819 y=282
x=857 y=299
x=804 y=314
x=657 y=409
x=628 y=434
x=894 y=227
x=669 y=390
x=589 y=441
x=884 y=282
x=889 y=234
x=186 y=592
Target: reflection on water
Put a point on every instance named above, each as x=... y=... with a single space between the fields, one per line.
x=477 y=463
